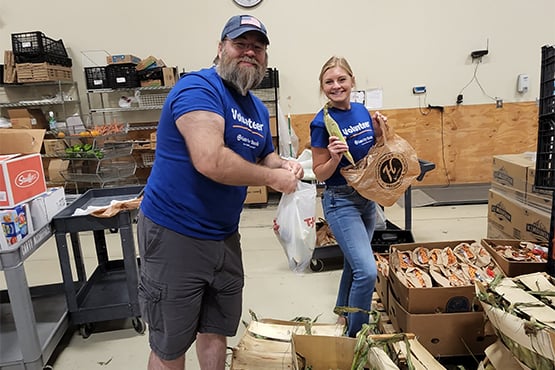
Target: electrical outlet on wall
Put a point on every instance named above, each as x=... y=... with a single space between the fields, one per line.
x=498 y=103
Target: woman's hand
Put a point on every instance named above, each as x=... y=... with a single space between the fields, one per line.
x=336 y=148
x=381 y=120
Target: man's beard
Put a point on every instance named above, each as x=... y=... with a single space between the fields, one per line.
x=242 y=78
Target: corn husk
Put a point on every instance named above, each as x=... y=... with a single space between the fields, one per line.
x=333 y=130
x=523 y=322
x=266 y=343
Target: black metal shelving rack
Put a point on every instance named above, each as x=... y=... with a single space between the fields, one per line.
x=545 y=154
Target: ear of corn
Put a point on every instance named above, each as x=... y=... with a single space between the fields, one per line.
x=334 y=130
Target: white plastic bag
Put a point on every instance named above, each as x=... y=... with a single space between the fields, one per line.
x=294 y=225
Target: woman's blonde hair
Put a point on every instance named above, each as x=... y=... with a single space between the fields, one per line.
x=333 y=62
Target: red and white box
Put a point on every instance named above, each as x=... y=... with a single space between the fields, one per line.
x=21 y=178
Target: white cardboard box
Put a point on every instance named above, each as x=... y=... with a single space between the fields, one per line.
x=45 y=206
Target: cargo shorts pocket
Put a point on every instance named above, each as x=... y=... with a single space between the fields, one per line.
x=150 y=302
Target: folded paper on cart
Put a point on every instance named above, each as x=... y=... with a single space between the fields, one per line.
x=115 y=207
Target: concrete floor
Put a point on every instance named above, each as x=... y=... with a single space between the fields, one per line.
x=271 y=289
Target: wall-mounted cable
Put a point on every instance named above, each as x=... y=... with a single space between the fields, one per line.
x=475 y=78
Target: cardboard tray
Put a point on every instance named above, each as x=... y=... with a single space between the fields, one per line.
x=512 y=268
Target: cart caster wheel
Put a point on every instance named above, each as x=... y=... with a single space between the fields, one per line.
x=316 y=265
x=139 y=325
x=86 y=330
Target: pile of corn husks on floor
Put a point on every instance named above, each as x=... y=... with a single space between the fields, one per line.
x=522 y=311
x=303 y=344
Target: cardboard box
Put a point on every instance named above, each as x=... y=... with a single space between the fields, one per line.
x=53 y=146
x=27 y=118
x=443 y=334
x=531 y=188
x=535 y=224
x=274 y=126
x=21 y=170
x=430 y=300
x=169 y=75
x=159 y=76
x=55 y=167
x=518 y=220
x=323 y=352
x=512 y=170
x=505 y=213
x=21 y=141
x=122 y=59
x=153 y=140
x=382 y=283
x=494 y=233
x=15 y=224
x=512 y=268
x=534 y=199
x=45 y=206
x=21 y=178
x=150 y=62
x=256 y=195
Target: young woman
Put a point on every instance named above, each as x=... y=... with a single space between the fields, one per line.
x=351 y=217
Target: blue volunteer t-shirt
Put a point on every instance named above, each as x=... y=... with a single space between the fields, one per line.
x=177 y=196
x=357 y=128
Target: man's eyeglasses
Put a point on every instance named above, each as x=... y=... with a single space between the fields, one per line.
x=257 y=47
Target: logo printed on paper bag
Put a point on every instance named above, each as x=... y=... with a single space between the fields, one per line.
x=391 y=169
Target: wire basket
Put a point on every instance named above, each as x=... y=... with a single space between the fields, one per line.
x=151 y=100
x=148 y=159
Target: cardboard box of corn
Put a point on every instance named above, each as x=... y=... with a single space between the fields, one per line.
x=302 y=344
x=431 y=288
x=522 y=311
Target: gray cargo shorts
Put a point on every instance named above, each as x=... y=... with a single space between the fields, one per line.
x=187 y=286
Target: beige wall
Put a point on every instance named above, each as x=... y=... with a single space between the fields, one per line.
x=392 y=45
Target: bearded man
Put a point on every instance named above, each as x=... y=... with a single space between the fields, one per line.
x=213 y=140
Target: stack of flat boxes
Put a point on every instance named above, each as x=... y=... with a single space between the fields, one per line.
x=516 y=209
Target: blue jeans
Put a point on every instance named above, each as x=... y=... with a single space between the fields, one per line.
x=352 y=219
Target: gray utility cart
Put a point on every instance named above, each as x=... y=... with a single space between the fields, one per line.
x=111 y=291
x=33 y=320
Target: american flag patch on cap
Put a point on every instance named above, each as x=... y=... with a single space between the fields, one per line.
x=250 y=20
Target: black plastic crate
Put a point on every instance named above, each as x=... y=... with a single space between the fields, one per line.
x=545 y=154
x=122 y=76
x=37 y=43
x=95 y=78
x=48 y=58
x=271 y=79
x=547 y=85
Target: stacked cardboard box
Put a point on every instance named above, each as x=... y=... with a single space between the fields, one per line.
x=26 y=205
x=516 y=209
x=444 y=318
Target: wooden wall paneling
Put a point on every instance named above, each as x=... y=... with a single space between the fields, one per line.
x=461 y=141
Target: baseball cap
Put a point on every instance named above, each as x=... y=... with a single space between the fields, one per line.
x=239 y=24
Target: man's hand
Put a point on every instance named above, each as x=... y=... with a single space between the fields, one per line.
x=295 y=167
